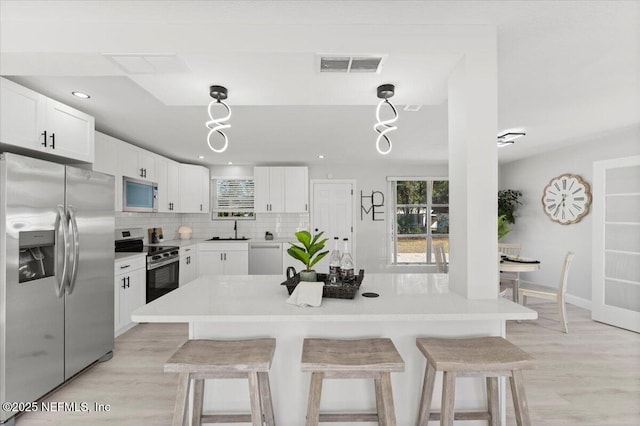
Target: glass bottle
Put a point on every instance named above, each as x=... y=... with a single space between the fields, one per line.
x=334 y=262
x=154 y=236
x=346 y=263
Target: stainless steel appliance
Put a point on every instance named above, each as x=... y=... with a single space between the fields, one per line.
x=265 y=258
x=139 y=195
x=56 y=283
x=163 y=262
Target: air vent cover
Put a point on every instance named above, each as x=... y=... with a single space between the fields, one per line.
x=350 y=64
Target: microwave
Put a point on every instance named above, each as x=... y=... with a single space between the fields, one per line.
x=139 y=195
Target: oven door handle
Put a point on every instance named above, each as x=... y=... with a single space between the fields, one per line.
x=151 y=267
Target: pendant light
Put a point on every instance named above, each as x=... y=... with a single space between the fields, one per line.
x=216 y=125
x=383 y=127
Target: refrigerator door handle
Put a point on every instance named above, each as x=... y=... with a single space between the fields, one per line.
x=61 y=222
x=76 y=249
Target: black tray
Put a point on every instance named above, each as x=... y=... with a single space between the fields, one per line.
x=339 y=290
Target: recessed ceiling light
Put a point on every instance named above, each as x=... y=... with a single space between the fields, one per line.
x=81 y=95
x=321 y=157
x=201 y=157
x=229 y=162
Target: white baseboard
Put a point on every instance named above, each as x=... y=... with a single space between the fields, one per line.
x=578 y=301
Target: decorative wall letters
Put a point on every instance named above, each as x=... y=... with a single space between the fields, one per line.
x=372 y=204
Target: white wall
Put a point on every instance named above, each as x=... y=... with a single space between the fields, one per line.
x=549 y=241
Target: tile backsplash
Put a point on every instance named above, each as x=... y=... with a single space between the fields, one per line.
x=281 y=225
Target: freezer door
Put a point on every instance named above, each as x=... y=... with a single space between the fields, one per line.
x=89 y=292
x=31 y=313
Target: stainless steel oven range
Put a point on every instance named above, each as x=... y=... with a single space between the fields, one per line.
x=163 y=262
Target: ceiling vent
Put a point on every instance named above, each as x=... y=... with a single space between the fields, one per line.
x=350 y=64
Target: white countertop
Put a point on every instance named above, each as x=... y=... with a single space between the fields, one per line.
x=123 y=256
x=261 y=298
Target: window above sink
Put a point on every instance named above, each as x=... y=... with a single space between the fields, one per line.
x=232 y=199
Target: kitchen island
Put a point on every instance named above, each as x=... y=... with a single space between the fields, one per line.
x=409 y=305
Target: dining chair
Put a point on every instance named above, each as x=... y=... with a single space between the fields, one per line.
x=441 y=260
x=550 y=293
x=508 y=279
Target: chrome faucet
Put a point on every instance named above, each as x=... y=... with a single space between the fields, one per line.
x=235 y=228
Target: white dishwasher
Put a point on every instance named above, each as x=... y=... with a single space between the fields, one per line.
x=265 y=258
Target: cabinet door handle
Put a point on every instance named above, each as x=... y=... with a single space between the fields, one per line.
x=53 y=140
x=128 y=282
x=44 y=139
x=124 y=283
x=124 y=267
x=225 y=257
x=141 y=172
x=200 y=207
x=306 y=208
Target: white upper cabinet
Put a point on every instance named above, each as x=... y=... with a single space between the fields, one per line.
x=107 y=162
x=32 y=121
x=168 y=174
x=281 y=189
x=194 y=189
x=296 y=189
x=268 y=189
x=137 y=163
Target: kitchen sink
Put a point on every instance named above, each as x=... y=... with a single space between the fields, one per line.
x=228 y=239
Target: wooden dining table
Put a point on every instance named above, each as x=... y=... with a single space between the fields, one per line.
x=517 y=267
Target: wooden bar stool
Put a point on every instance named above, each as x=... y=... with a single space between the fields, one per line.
x=491 y=357
x=351 y=359
x=223 y=359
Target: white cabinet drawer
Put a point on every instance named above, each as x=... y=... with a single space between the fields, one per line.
x=126 y=265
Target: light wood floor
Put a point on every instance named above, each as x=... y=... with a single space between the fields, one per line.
x=588 y=377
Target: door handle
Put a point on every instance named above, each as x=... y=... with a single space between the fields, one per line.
x=141 y=172
x=44 y=139
x=76 y=249
x=61 y=221
x=124 y=267
x=53 y=140
x=225 y=257
x=128 y=282
x=124 y=282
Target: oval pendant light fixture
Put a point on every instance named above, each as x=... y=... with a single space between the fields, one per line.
x=216 y=125
x=383 y=127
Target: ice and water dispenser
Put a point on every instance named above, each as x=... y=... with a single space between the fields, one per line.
x=37 y=255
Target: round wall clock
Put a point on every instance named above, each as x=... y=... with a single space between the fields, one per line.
x=566 y=199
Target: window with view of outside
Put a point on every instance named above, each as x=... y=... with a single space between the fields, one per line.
x=421 y=220
x=232 y=199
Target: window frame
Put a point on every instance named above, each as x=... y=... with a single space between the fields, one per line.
x=214 y=200
x=393 y=220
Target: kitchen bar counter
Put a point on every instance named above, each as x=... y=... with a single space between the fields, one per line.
x=410 y=305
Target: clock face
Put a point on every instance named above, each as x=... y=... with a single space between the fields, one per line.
x=566 y=199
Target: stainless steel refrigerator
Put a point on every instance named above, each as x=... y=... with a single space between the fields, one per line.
x=56 y=282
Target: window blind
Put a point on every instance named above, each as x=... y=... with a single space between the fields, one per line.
x=234 y=195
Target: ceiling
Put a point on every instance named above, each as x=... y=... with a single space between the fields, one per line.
x=567 y=70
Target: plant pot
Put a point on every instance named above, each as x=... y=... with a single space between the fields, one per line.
x=309 y=276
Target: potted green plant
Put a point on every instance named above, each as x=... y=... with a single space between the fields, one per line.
x=308 y=253
x=508 y=202
x=503 y=226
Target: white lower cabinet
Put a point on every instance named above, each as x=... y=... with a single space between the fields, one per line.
x=130 y=289
x=223 y=259
x=188 y=264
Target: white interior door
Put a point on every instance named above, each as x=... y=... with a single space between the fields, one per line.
x=616 y=242
x=332 y=213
